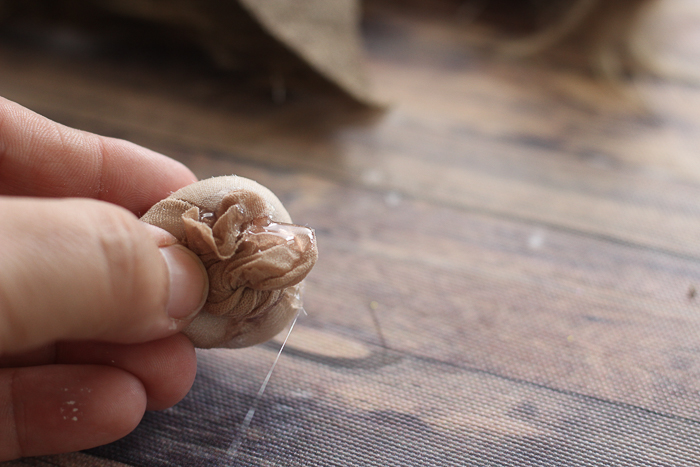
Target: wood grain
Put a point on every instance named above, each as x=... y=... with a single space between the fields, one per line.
x=515 y=150
x=554 y=307
x=509 y=254
x=75 y=459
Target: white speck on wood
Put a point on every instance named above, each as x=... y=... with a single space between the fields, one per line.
x=536 y=240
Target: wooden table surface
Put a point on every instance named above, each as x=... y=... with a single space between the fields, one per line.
x=509 y=253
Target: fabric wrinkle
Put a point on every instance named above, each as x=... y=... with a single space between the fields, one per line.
x=255 y=257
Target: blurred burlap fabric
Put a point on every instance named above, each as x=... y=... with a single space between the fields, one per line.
x=323 y=35
x=293 y=43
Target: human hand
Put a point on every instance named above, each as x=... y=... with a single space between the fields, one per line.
x=91 y=299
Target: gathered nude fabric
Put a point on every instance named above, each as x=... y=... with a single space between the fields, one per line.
x=254 y=256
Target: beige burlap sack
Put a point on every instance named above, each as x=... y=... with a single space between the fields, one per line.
x=287 y=43
x=324 y=35
x=254 y=256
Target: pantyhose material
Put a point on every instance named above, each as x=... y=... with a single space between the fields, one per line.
x=255 y=257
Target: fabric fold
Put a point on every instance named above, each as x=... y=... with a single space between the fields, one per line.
x=256 y=259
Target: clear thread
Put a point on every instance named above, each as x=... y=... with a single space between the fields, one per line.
x=243 y=431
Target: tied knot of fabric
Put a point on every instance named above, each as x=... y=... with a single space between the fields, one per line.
x=249 y=258
x=255 y=258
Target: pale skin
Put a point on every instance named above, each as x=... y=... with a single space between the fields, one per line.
x=91 y=299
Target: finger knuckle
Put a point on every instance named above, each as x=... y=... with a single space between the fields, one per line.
x=128 y=259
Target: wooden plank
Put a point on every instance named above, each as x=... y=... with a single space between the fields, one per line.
x=529 y=251
x=393 y=415
x=564 y=310
x=386 y=224
x=507 y=148
x=537 y=320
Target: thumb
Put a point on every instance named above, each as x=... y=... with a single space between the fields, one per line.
x=77 y=269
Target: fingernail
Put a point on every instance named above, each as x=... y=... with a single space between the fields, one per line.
x=188 y=282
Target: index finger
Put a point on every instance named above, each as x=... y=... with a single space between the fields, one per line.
x=39 y=157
